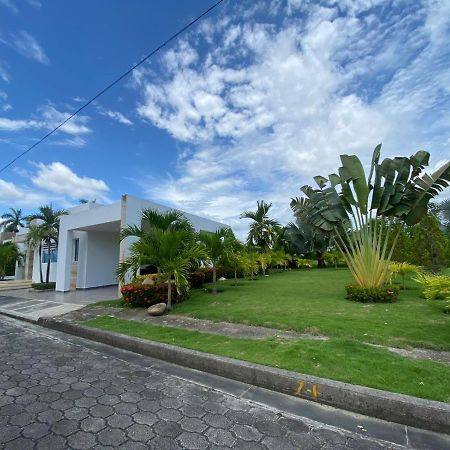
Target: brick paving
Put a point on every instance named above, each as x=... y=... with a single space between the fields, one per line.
x=56 y=394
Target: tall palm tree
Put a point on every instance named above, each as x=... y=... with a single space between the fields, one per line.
x=13 y=220
x=263 y=230
x=170 y=245
x=216 y=245
x=47 y=221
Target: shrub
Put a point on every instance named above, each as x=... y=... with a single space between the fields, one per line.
x=402 y=269
x=196 y=279
x=382 y=294
x=144 y=295
x=303 y=263
x=139 y=279
x=434 y=286
x=44 y=286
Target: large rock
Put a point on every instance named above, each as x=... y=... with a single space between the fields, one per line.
x=148 y=281
x=157 y=310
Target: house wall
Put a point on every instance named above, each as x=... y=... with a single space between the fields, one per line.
x=36 y=263
x=102 y=258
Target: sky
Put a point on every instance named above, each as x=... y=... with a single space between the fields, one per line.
x=250 y=104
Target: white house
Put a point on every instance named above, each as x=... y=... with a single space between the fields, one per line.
x=89 y=248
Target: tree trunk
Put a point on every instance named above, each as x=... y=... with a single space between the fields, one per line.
x=214 y=280
x=169 y=293
x=320 y=260
x=47 y=276
x=40 y=264
x=235 y=276
x=158 y=269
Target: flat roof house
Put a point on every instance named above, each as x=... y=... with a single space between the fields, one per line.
x=89 y=248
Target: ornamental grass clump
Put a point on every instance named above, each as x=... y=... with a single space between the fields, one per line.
x=360 y=210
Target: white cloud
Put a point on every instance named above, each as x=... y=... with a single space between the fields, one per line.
x=277 y=104
x=47 y=118
x=27 y=45
x=115 y=115
x=13 y=195
x=10 y=5
x=4 y=75
x=62 y=181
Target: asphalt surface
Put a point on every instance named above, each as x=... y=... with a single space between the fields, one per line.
x=59 y=391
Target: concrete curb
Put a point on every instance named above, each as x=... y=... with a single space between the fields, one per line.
x=403 y=409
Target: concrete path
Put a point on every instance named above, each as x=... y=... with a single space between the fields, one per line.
x=60 y=392
x=30 y=304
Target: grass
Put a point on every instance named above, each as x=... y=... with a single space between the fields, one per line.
x=111 y=303
x=314 y=301
x=339 y=359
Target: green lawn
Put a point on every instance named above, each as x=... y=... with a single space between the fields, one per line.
x=340 y=359
x=313 y=301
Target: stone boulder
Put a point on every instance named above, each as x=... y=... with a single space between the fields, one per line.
x=148 y=281
x=157 y=310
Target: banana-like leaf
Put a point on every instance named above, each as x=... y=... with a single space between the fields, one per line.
x=352 y=170
x=426 y=188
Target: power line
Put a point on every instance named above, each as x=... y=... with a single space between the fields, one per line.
x=117 y=80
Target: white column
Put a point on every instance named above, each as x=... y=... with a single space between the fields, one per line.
x=64 y=259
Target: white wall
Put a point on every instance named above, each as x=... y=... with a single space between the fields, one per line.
x=36 y=263
x=102 y=258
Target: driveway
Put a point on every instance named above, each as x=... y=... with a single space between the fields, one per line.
x=32 y=304
x=59 y=391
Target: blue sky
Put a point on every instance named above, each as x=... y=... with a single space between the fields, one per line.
x=249 y=105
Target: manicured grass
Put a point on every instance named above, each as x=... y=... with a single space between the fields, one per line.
x=314 y=301
x=339 y=359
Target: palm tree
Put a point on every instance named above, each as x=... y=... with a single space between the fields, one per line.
x=263 y=230
x=152 y=218
x=216 y=245
x=9 y=255
x=12 y=220
x=47 y=221
x=170 y=245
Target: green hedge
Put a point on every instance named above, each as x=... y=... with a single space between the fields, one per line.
x=384 y=294
x=43 y=286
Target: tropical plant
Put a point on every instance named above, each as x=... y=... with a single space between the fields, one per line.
x=34 y=239
x=280 y=258
x=170 y=245
x=264 y=260
x=302 y=263
x=402 y=269
x=12 y=220
x=263 y=230
x=9 y=255
x=216 y=246
x=249 y=264
x=334 y=257
x=429 y=244
x=395 y=190
x=434 y=286
x=304 y=237
x=47 y=222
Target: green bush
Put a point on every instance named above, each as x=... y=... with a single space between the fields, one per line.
x=145 y=295
x=196 y=279
x=43 y=286
x=383 y=294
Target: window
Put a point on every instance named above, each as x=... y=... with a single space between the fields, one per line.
x=53 y=255
x=76 y=246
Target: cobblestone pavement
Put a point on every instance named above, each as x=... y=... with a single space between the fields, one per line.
x=56 y=394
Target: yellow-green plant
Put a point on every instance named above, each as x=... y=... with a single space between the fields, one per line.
x=434 y=286
x=402 y=269
x=302 y=263
x=360 y=209
x=264 y=260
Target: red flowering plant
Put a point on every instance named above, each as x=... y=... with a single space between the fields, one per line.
x=145 y=295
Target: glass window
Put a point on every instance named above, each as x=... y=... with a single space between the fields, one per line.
x=76 y=246
x=53 y=255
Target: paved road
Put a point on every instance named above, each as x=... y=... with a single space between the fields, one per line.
x=59 y=392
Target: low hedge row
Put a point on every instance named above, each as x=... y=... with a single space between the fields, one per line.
x=383 y=294
x=145 y=295
x=43 y=286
